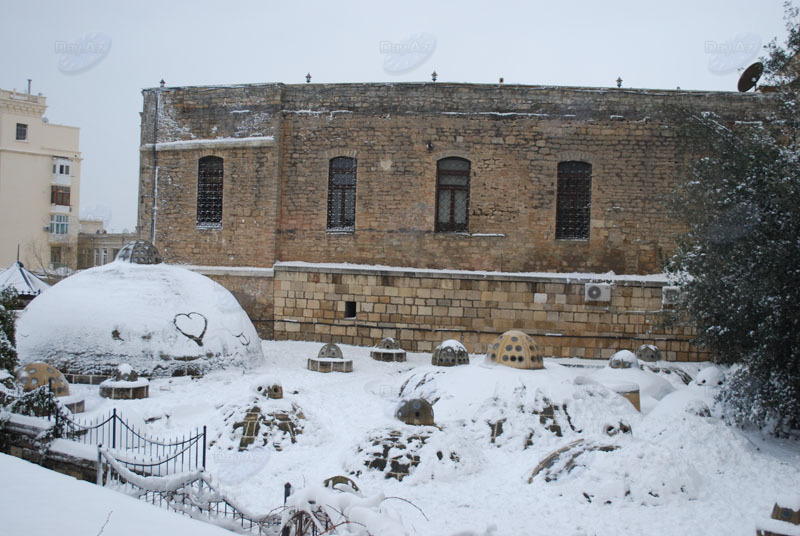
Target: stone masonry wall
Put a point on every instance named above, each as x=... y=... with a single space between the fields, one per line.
x=422 y=309
x=275 y=193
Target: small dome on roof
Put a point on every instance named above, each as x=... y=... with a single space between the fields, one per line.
x=516 y=349
x=34 y=375
x=450 y=353
x=331 y=351
x=139 y=252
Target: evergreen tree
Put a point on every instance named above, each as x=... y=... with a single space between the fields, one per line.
x=739 y=260
x=8 y=352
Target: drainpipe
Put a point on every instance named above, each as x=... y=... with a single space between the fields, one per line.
x=155 y=173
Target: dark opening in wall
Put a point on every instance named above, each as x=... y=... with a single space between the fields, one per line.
x=350 y=309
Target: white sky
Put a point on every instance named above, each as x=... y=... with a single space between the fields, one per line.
x=650 y=44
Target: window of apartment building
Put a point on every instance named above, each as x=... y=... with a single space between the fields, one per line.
x=114 y=253
x=105 y=255
x=61 y=169
x=59 y=224
x=342 y=194
x=209 y=192
x=22 y=132
x=55 y=256
x=452 y=195
x=573 y=200
x=96 y=257
x=59 y=195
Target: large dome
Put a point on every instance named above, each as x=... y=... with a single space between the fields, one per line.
x=161 y=319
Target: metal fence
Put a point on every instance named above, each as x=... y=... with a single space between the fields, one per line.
x=140 y=452
x=191 y=493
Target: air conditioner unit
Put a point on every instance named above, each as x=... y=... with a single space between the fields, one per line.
x=600 y=292
x=46 y=229
x=670 y=295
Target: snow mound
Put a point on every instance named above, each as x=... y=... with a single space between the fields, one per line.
x=710 y=376
x=162 y=320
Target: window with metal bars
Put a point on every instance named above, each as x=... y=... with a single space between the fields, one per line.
x=22 y=132
x=573 y=200
x=452 y=195
x=59 y=195
x=209 y=192
x=342 y=194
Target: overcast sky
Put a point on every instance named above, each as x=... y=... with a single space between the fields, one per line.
x=658 y=44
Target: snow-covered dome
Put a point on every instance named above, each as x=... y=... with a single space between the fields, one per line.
x=516 y=349
x=160 y=319
x=450 y=353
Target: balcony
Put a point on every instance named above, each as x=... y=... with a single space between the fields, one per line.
x=61 y=180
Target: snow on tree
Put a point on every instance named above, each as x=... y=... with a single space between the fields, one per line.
x=739 y=259
x=8 y=351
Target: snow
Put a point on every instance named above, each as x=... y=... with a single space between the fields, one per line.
x=25 y=283
x=573 y=277
x=141 y=382
x=676 y=469
x=248 y=141
x=156 y=318
x=42 y=502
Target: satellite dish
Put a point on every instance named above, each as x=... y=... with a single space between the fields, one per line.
x=750 y=77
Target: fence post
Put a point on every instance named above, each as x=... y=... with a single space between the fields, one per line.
x=204 y=446
x=114 y=429
x=99 y=465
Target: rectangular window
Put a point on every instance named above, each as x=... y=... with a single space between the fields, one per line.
x=105 y=255
x=349 y=309
x=114 y=253
x=573 y=200
x=59 y=195
x=452 y=195
x=59 y=224
x=342 y=194
x=209 y=192
x=22 y=132
x=55 y=256
x=96 y=257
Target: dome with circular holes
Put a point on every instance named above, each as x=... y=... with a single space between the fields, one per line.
x=161 y=320
x=34 y=375
x=139 y=252
x=449 y=354
x=268 y=387
x=417 y=411
x=515 y=349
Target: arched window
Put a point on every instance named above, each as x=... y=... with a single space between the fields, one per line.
x=342 y=194
x=209 y=192
x=452 y=195
x=573 y=200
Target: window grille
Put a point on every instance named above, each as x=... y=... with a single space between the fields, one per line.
x=209 y=191
x=342 y=193
x=574 y=200
x=452 y=195
x=22 y=132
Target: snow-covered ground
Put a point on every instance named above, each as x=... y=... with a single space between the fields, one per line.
x=677 y=470
x=35 y=501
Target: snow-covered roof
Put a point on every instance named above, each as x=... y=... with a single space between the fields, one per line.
x=23 y=281
x=160 y=319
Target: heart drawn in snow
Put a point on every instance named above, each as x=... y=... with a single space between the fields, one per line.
x=191 y=325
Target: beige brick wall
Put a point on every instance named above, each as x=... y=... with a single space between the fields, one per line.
x=423 y=309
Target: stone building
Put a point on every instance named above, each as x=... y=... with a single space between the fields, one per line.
x=486 y=207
